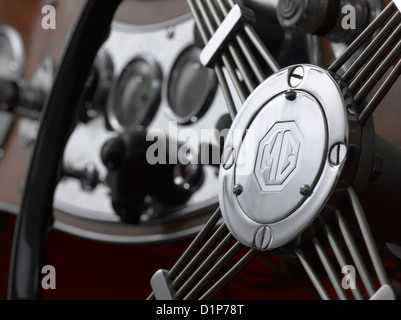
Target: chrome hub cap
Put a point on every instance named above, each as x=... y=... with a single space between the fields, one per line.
x=283 y=157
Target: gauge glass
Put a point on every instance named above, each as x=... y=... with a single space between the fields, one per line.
x=137 y=92
x=191 y=87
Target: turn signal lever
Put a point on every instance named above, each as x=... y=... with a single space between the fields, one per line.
x=137 y=186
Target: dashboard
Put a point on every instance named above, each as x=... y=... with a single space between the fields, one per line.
x=147 y=65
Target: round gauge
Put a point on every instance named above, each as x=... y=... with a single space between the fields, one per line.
x=12 y=53
x=96 y=92
x=191 y=87
x=137 y=93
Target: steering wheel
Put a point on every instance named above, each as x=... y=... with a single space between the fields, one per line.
x=299 y=153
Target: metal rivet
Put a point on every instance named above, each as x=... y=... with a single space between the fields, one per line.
x=291 y=95
x=262 y=238
x=296 y=76
x=304 y=190
x=337 y=154
x=238 y=189
x=170 y=32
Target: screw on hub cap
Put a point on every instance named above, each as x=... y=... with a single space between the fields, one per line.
x=337 y=154
x=305 y=190
x=238 y=189
x=262 y=238
x=282 y=175
x=296 y=77
x=290 y=95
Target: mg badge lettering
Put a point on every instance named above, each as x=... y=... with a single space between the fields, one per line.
x=278 y=156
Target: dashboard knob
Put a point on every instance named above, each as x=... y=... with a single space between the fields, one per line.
x=323 y=17
x=112 y=153
x=138 y=186
x=89 y=176
x=21 y=97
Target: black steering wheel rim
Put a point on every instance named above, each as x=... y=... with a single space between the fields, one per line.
x=36 y=214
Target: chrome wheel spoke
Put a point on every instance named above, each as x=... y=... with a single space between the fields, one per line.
x=363 y=37
x=342 y=248
x=188 y=277
x=237 y=58
x=370 y=50
x=212 y=250
x=366 y=84
x=251 y=253
x=207 y=278
x=367 y=236
x=354 y=252
x=374 y=62
x=328 y=267
x=341 y=257
x=210 y=257
x=313 y=275
x=192 y=275
x=196 y=243
x=380 y=94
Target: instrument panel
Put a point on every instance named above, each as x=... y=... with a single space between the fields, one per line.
x=159 y=84
x=147 y=77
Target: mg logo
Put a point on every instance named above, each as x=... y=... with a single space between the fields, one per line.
x=278 y=156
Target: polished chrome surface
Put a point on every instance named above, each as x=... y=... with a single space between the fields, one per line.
x=307 y=127
x=226 y=30
x=337 y=48
x=398 y=4
x=12 y=53
x=384 y=293
x=289 y=138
